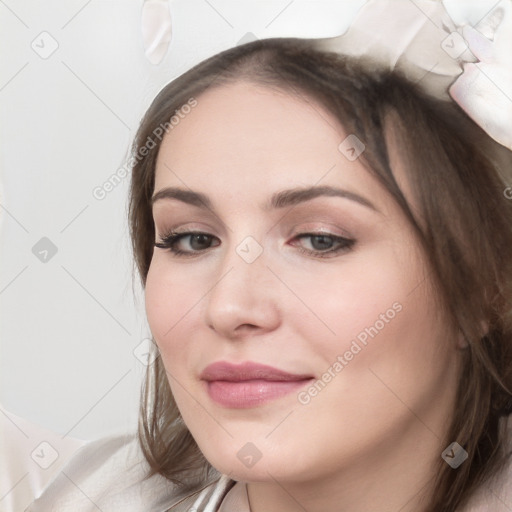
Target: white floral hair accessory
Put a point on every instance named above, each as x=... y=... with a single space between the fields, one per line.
x=461 y=50
x=455 y=49
x=156 y=27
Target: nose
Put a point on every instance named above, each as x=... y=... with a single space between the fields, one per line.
x=243 y=299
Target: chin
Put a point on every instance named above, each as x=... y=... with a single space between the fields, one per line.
x=256 y=461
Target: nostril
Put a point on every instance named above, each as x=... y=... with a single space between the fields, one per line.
x=245 y=327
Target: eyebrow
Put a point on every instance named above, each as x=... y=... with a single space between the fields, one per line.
x=282 y=199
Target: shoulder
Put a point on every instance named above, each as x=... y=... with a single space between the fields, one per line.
x=31 y=456
x=106 y=474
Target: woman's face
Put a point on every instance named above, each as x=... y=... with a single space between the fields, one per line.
x=330 y=290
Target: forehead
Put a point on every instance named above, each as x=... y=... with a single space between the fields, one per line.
x=242 y=118
x=251 y=140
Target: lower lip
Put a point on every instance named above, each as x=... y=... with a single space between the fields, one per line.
x=250 y=393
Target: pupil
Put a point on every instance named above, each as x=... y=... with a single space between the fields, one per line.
x=201 y=238
x=325 y=242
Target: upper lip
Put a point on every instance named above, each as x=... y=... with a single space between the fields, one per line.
x=247 y=371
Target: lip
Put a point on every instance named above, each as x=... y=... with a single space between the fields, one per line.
x=249 y=384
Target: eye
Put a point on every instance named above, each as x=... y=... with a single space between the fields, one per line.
x=325 y=245
x=197 y=242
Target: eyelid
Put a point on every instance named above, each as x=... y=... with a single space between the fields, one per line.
x=316 y=228
x=185 y=228
x=320 y=227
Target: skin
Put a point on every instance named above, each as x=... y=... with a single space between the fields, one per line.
x=368 y=441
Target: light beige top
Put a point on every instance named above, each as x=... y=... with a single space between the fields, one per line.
x=106 y=475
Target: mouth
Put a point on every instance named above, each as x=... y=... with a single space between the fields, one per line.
x=249 y=384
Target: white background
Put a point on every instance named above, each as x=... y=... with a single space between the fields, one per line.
x=69 y=326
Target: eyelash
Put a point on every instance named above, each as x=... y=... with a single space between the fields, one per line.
x=170 y=240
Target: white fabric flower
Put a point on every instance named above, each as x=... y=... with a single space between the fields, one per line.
x=484 y=90
x=156 y=29
x=446 y=58
x=459 y=51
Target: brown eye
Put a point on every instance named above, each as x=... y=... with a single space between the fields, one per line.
x=200 y=241
x=197 y=242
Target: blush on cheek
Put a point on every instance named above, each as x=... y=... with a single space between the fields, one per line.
x=165 y=303
x=172 y=310
x=364 y=318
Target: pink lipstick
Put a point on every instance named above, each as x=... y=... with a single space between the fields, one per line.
x=249 y=384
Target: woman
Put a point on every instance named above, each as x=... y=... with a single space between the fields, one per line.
x=325 y=255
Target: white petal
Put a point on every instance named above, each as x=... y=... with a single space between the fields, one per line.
x=156 y=29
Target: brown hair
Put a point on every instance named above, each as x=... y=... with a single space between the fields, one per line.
x=458 y=176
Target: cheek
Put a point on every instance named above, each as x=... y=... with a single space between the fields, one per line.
x=367 y=296
x=389 y=334
x=377 y=313
x=171 y=299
